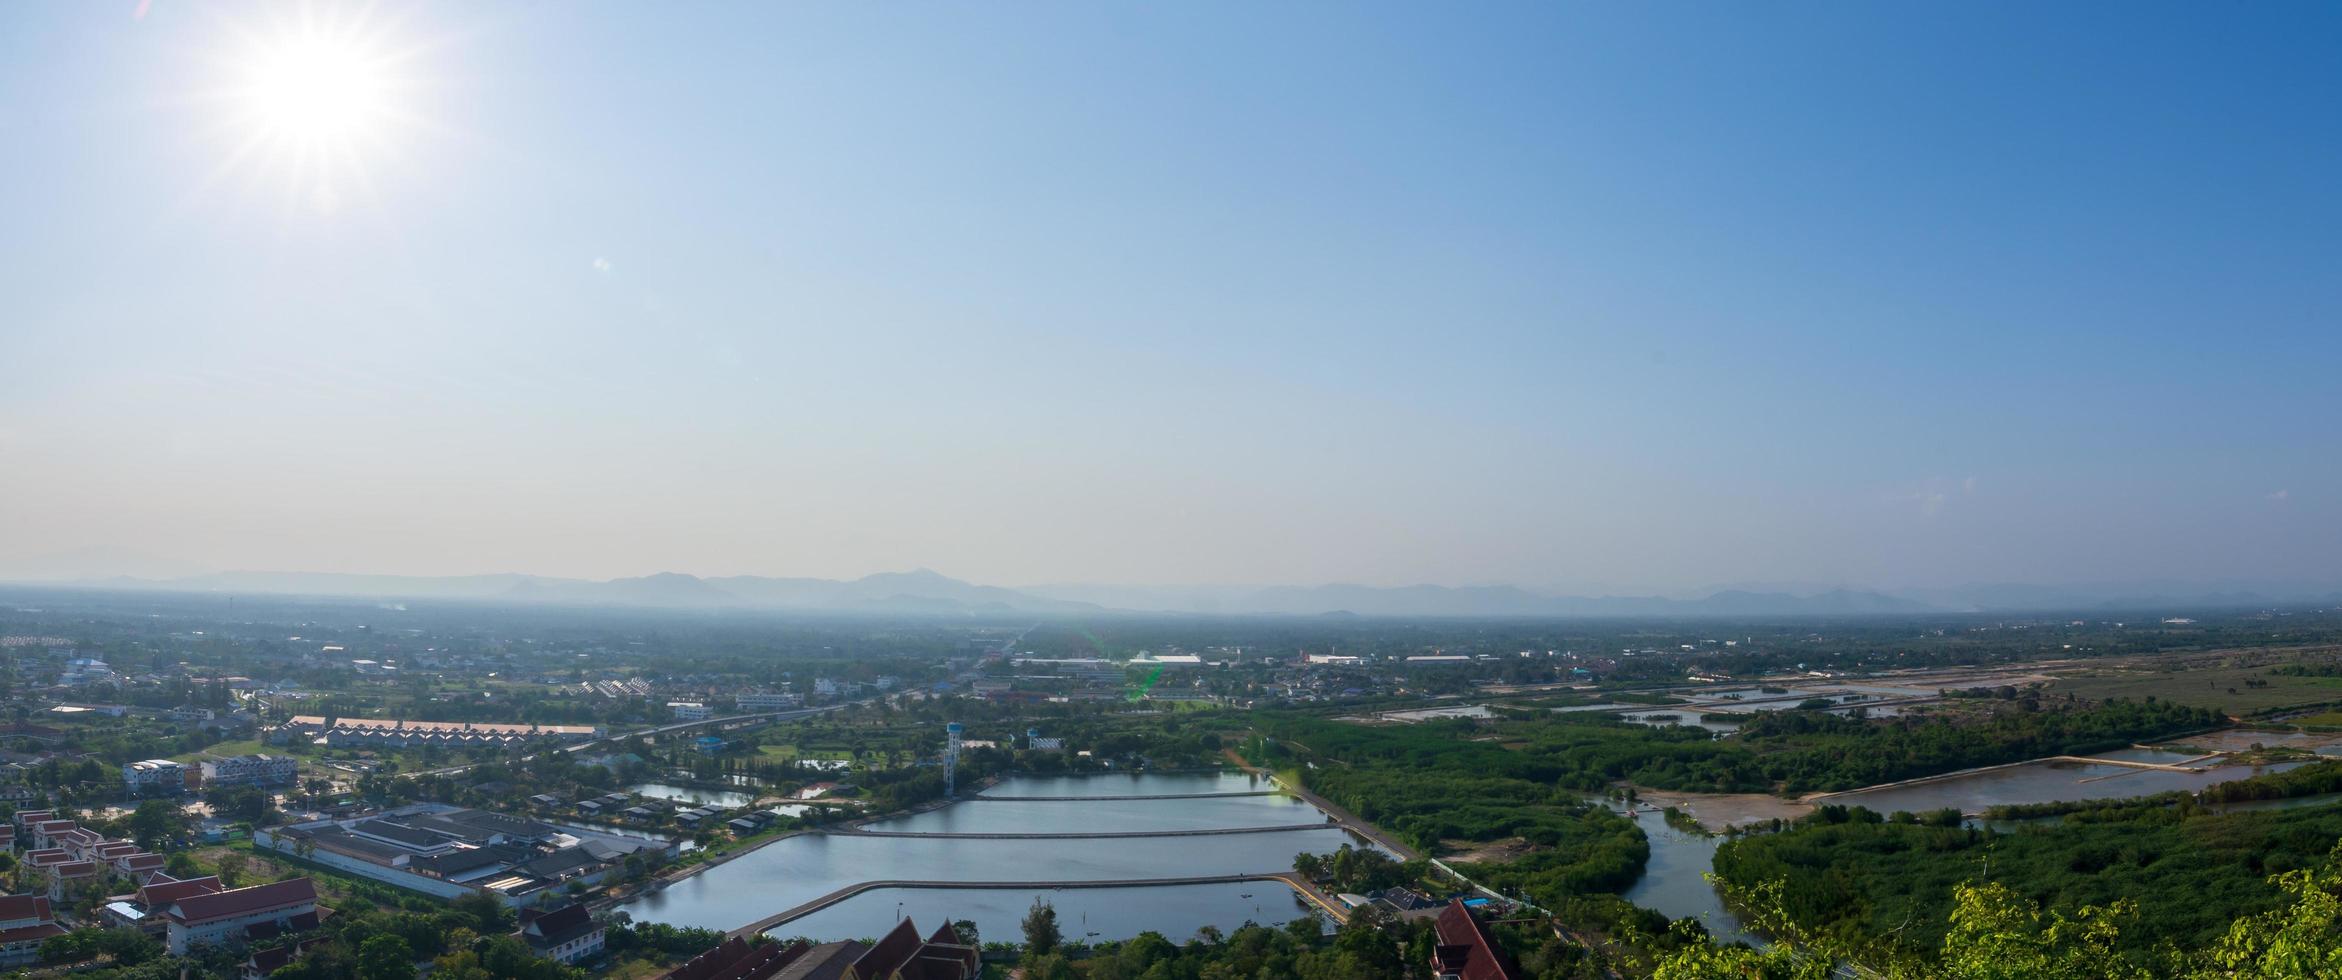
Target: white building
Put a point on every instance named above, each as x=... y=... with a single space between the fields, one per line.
x=251 y=770
x=772 y=701
x=154 y=776
x=25 y=923
x=227 y=918
x=688 y=710
x=568 y=934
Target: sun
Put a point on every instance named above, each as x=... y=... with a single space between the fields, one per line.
x=316 y=90
x=318 y=104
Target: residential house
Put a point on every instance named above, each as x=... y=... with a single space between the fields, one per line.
x=1466 y=951
x=25 y=923
x=568 y=934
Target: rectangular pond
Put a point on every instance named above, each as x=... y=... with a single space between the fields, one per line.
x=799 y=869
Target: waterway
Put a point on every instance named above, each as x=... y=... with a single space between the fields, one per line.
x=799 y=869
x=1674 y=883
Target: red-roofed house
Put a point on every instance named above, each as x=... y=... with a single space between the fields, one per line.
x=902 y=955
x=225 y=918
x=72 y=874
x=25 y=923
x=139 y=866
x=259 y=965
x=42 y=860
x=143 y=911
x=1465 y=950
x=45 y=832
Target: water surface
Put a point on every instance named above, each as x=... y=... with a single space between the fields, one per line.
x=686 y=794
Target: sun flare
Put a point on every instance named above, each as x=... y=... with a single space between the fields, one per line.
x=316 y=88
x=319 y=104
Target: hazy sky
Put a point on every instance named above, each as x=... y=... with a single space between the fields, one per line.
x=1599 y=297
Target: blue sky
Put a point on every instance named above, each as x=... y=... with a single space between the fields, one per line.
x=1600 y=298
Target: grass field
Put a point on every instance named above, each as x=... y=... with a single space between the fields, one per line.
x=2205 y=687
x=222 y=750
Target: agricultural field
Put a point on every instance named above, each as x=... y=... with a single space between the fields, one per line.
x=2236 y=690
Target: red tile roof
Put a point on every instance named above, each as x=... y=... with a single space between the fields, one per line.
x=198 y=909
x=14 y=907
x=1466 y=947
x=27 y=933
x=159 y=893
x=737 y=960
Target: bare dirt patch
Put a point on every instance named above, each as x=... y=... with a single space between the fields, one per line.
x=1491 y=852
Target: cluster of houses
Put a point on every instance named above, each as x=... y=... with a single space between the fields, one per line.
x=70 y=855
x=392 y=733
x=184 y=913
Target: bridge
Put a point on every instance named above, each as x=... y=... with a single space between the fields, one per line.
x=1279 y=829
x=1286 y=878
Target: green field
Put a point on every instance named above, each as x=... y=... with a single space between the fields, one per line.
x=222 y=750
x=2225 y=688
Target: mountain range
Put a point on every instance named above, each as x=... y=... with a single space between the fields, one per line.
x=925 y=592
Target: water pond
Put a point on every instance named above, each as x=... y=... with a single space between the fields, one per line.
x=798 y=869
x=686 y=794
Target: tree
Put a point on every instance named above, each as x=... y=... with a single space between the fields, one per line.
x=1041 y=933
x=156 y=821
x=386 y=957
x=966 y=930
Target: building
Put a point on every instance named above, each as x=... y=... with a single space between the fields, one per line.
x=155 y=777
x=452 y=852
x=264 y=962
x=1466 y=951
x=900 y=955
x=251 y=770
x=389 y=733
x=25 y=923
x=688 y=710
x=771 y=701
x=239 y=915
x=142 y=910
x=568 y=934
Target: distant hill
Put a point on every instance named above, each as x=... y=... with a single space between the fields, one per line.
x=923 y=592
x=920 y=592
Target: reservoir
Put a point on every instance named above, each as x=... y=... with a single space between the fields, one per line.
x=805 y=867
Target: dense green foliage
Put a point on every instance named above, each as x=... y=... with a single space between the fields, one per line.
x=1992 y=932
x=1780 y=751
x=2188 y=871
